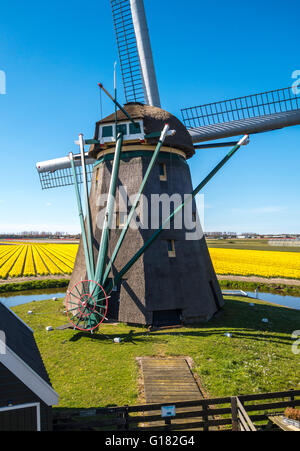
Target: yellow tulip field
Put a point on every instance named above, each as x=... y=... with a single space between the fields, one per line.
x=245 y=262
x=29 y=259
x=35 y=259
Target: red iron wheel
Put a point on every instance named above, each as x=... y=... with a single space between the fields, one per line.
x=86 y=305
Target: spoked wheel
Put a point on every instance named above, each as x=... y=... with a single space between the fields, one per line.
x=86 y=305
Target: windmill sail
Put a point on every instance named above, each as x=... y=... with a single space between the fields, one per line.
x=57 y=173
x=138 y=72
x=128 y=52
x=252 y=114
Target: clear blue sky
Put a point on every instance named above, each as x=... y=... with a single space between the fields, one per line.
x=54 y=53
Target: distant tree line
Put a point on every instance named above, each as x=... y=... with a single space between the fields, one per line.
x=39 y=235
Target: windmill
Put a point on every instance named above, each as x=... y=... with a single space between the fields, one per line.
x=155 y=275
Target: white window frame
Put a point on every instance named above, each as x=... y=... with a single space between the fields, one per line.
x=127 y=137
x=26 y=406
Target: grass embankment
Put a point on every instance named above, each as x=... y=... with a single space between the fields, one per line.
x=90 y=371
x=33 y=285
x=290 y=290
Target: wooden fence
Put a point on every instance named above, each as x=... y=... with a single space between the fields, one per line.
x=236 y=414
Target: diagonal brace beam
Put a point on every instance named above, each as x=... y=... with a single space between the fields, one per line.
x=81 y=217
x=87 y=205
x=155 y=235
x=109 y=211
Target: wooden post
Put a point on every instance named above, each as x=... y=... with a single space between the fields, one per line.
x=126 y=417
x=234 y=413
x=168 y=423
x=292 y=397
x=205 y=417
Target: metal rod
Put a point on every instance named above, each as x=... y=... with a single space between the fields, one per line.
x=87 y=205
x=117 y=103
x=109 y=211
x=155 y=235
x=81 y=217
x=136 y=201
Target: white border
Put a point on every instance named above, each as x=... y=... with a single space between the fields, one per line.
x=27 y=406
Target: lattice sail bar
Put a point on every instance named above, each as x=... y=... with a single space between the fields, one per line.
x=242 y=108
x=128 y=52
x=57 y=173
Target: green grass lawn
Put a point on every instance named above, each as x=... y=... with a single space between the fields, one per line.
x=92 y=371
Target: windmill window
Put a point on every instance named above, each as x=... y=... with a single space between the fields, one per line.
x=163 y=172
x=171 y=248
x=121 y=219
x=122 y=128
x=107 y=131
x=134 y=129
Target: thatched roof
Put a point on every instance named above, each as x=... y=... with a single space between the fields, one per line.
x=154 y=120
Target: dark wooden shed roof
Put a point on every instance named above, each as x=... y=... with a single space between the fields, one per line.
x=154 y=120
x=22 y=357
x=20 y=339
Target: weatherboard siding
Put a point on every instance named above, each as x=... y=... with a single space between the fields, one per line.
x=13 y=391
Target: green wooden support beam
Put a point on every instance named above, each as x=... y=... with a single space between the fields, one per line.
x=109 y=211
x=155 y=235
x=88 y=142
x=87 y=206
x=163 y=135
x=152 y=135
x=81 y=217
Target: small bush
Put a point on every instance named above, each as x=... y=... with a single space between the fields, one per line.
x=292 y=414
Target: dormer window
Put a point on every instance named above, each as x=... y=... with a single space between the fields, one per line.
x=134 y=128
x=107 y=131
x=129 y=130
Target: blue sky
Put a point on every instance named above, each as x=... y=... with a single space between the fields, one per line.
x=54 y=54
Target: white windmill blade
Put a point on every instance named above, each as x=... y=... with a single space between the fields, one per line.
x=252 y=114
x=137 y=65
x=57 y=172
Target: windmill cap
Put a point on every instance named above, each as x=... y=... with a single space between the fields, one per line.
x=154 y=120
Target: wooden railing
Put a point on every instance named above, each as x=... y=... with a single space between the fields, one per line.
x=236 y=414
x=240 y=419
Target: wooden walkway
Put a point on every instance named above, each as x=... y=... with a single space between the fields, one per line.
x=169 y=380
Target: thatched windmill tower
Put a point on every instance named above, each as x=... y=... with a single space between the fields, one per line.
x=153 y=276
x=174 y=280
